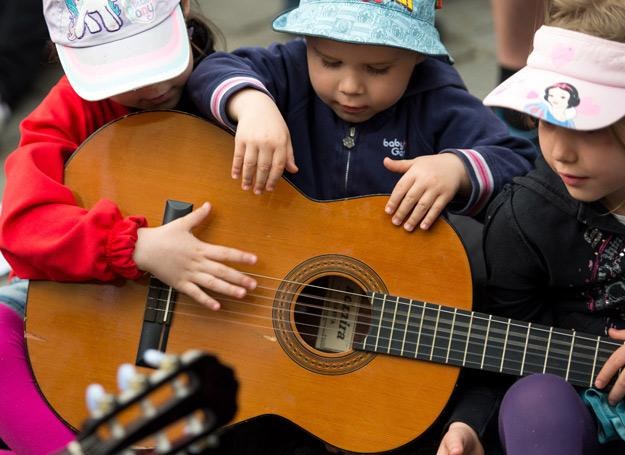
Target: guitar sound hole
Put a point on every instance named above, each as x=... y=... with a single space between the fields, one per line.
x=331 y=313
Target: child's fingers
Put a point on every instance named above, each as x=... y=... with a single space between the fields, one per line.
x=414 y=204
x=617 y=334
x=216 y=284
x=609 y=369
x=421 y=208
x=237 y=160
x=249 y=167
x=397 y=195
x=290 y=159
x=435 y=211
x=194 y=218
x=263 y=168
x=277 y=168
x=201 y=297
x=398 y=166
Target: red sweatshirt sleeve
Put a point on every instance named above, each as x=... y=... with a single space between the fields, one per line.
x=44 y=234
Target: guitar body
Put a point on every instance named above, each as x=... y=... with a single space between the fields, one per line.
x=77 y=334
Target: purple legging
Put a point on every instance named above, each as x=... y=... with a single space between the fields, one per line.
x=27 y=425
x=543 y=414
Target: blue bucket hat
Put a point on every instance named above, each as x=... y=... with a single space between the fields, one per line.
x=407 y=24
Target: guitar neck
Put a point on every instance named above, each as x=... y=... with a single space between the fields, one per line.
x=426 y=331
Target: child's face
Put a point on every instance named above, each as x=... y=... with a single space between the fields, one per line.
x=590 y=163
x=357 y=81
x=163 y=95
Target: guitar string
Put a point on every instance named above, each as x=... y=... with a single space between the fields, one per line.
x=475 y=339
x=553 y=352
x=509 y=365
x=408 y=302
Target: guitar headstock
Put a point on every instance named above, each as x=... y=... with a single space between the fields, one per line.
x=174 y=409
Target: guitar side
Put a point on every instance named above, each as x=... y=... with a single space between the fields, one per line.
x=79 y=333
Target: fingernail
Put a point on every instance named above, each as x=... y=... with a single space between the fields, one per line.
x=388 y=209
x=396 y=221
x=409 y=227
x=425 y=226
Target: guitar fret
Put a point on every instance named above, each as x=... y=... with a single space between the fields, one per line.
x=466 y=346
x=505 y=346
x=438 y=314
x=485 y=342
x=527 y=338
x=403 y=341
x=451 y=334
x=568 y=366
x=547 y=350
x=458 y=338
x=594 y=362
x=420 y=331
x=377 y=338
x=390 y=341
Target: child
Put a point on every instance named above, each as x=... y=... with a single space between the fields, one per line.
x=369 y=95
x=114 y=64
x=367 y=103
x=563 y=224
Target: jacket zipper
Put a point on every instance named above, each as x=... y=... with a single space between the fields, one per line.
x=349 y=142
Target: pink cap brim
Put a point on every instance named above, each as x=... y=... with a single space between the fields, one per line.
x=155 y=55
x=571 y=80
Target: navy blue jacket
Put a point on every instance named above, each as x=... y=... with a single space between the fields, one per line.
x=435 y=114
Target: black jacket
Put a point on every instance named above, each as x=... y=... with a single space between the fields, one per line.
x=553 y=259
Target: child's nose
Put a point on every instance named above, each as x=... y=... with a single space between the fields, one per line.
x=350 y=84
x=565 y=145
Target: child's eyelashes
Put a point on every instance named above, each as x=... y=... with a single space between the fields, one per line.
x=334 y=64
x=330 y=64
x=373 y=70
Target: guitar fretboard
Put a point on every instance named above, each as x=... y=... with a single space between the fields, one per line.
x=425 y=331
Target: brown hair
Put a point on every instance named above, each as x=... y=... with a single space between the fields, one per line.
x=204 y=35
x=600 y=18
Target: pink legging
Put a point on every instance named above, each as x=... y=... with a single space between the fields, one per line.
x=27 y=424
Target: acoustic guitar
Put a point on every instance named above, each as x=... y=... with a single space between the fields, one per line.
x=344 y=298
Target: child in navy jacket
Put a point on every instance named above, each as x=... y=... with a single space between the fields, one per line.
x=366 y=104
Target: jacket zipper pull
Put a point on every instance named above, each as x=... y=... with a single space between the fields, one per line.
x=349 y=141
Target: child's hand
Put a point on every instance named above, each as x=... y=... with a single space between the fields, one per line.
x=179 y=259
x=262 y=143
x=611 y=367
x=460 y=439
x=428 y=184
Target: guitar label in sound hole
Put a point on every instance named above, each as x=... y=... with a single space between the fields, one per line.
x=330 y=314
x=338 y=316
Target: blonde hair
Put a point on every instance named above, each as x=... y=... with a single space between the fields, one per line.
x=600 y=18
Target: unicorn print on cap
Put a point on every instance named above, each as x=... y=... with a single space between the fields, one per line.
x=93 y=15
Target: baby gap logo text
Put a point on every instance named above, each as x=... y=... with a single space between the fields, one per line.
x=396 y=147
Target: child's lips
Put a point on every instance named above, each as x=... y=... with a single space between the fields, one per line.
x=160 y=98
x=572 y=180
x=353 y=109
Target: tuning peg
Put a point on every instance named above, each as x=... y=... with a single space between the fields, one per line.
x=94 y=397
x=125 y=372
x=153 y=357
